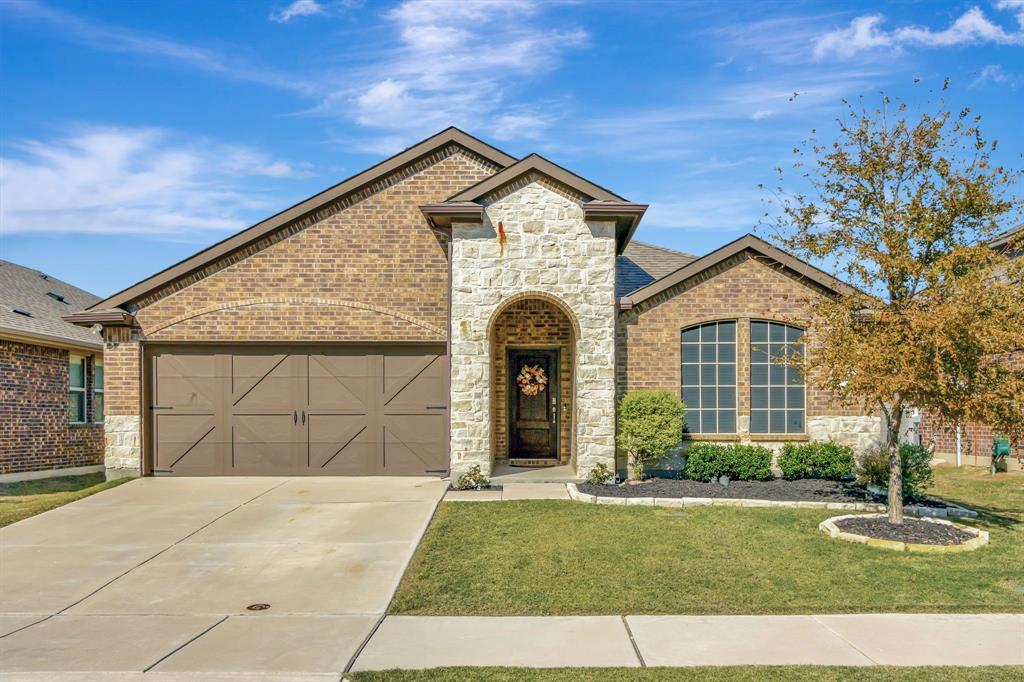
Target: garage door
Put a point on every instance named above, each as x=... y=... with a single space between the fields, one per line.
x=317 y=412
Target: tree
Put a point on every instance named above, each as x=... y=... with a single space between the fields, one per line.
x=650 y=426
x=902 y=210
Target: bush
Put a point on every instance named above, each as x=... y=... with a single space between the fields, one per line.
x=816 y=460
x=708 y=461
x=873 y=469
x=650 y=426
x=600 y=475
x=473 y=479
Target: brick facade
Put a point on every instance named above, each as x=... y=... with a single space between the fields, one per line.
x=743 y=288
x=372 y=270
x=34 y=431
x=532 y=323
x=975 y=438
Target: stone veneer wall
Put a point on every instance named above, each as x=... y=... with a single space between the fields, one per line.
x=551 y=253
x=743 y=288
x=532 y=323
x=34 y=431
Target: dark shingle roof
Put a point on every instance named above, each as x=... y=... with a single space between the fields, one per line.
x=40 y=295
x=642 y=263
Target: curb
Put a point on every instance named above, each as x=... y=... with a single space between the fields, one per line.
x=979 y=540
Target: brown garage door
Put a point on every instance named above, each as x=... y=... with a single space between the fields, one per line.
x=269 y=411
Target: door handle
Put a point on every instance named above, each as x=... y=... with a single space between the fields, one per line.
x=295 y=417
x=303 y=417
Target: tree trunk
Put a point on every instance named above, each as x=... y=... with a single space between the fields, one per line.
x=633 y=465
x=895 y=485
x=895 y=467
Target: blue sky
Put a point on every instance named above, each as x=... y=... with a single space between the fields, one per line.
x=132 y=134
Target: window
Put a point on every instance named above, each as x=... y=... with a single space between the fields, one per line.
x=76 y=389
x=709 y=377
x=97 y=390
x=777 y=393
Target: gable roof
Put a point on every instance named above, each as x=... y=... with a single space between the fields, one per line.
x=30 y=291
x=745 y=243
x=536 y=163
x=642 y=263
x=274 y=222
x=599 y=203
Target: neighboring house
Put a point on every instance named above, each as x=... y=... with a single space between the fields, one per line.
x=51 y=378
x=452 y=306
x=975 y=442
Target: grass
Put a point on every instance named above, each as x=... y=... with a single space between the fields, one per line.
x=549 y=557
x=789 y=673
x=23 y=499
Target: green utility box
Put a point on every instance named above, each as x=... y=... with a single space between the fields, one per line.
x=1000 y=451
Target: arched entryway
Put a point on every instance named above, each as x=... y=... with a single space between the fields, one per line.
x=533 y=356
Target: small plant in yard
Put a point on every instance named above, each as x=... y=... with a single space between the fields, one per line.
x=650 y=426
x=873 y=469
x=710 y=461
x=816 y=460
x=473 y=479
x=600 y=475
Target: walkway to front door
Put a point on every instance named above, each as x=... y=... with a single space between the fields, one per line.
x=208 y=575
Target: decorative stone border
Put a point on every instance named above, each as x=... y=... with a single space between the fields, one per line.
x=576 y=495
x=980 y=538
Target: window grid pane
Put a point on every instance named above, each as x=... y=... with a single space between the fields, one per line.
x=777 y=393
x=708 y=354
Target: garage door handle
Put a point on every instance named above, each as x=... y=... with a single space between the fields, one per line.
x=295 y=417
x=303 y=416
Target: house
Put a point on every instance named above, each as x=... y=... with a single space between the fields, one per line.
x=974 y=445
x=51 y=378
x=452 y=306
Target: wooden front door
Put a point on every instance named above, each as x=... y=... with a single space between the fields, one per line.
x=533 y=404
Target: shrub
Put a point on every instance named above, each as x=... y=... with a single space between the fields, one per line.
x=473 y=479
x=650 y=426
x=600 y=475
x=873 y=469
x=816 y=460
x=708 y=461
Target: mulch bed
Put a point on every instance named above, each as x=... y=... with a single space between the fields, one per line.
x=912 y=530
x=802 y=490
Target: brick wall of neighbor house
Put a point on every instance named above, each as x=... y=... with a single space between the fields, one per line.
x=366 y=269
x=975 y=438
x=34 y=431
x=741 y=288
x=532 y=323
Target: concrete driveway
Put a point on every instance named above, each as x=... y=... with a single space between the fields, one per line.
x=158 y=575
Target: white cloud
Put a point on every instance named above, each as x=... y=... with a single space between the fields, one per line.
x=118 y=39
x=971 y=28
x=994 y=73
x=109 y=180
x=455 y=64
x=299 y=8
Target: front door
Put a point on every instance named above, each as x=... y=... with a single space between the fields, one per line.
x=533 y=404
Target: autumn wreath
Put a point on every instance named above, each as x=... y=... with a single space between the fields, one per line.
x=532 y=380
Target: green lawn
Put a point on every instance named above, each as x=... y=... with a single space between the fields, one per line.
x=27 y=498
x=558 y=558
x=793 y=673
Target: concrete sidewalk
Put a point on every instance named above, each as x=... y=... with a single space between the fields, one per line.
x=642 y=641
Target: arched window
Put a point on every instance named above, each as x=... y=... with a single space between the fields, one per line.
x=709 y=377
x=777 y=392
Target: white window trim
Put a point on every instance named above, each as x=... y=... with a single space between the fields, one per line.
x=82 y=389
x=97 y=363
